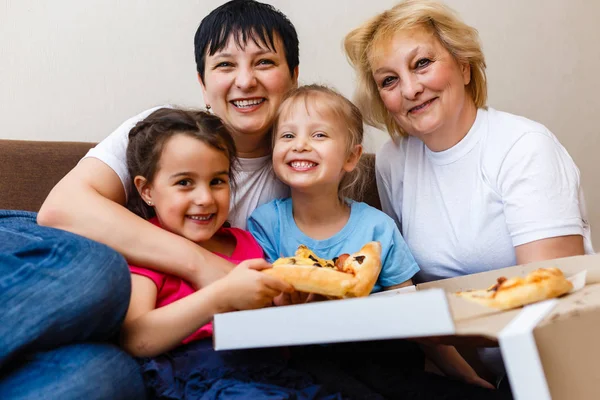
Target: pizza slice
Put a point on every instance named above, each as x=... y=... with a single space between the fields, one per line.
x=348 y=275
x=541 y=284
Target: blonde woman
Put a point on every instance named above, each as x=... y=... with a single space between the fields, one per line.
x=471 y=188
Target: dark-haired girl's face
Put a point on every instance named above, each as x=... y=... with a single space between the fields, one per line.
x=244 y=87
x=190 y=191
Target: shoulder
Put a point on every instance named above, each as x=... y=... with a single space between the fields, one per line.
x=391 y=154
x=509 y=137
x=504 y=130
x=368 y=215
x=125 y=127
x=272 y=208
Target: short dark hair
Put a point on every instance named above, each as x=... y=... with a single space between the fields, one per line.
x=148 y=137
x=245 y=20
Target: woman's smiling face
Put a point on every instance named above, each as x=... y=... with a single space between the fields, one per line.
x=421 y=84
x=244 y=85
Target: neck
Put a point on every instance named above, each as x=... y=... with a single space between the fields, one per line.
x=456 y=131
x=319 y=215
x=250 y=146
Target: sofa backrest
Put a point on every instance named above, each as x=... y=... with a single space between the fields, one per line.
x=30 y=169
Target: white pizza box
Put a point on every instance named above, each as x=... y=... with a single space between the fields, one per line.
x=551 y=349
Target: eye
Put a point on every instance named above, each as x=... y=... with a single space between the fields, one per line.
x=422 y=63
x=387 y=81
x=287 y=135
x=223 y=64
x=265 y=61
x=184 y=182
x=218 y=181
x=319 y=135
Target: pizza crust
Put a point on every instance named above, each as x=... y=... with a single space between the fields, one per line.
x=541 y=284
x=350 y=276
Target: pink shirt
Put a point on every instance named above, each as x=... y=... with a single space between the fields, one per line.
x=172 y=288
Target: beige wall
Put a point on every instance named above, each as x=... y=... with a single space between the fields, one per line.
x=74 y=70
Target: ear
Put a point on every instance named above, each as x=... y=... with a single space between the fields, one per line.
x=204 y=94
x=466 y=73
x=353 y=158
x=295 y=77
x=144 y=188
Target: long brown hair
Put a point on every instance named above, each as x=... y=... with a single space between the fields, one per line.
x=147 y=140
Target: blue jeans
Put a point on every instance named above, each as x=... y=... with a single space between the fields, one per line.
x=62 y=299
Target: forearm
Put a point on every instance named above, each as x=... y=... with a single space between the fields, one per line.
x=86 y=212
x=164 y=328
x=448 y=360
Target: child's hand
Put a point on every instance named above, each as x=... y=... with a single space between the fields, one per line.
x=479 y=381
x=247 y=288
x=294 y=297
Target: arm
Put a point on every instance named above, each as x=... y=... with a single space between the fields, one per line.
x=452 y=364
x=549 y=249
x=540 y=190
x=89 y=201
x=401 y=285
x=148 y=331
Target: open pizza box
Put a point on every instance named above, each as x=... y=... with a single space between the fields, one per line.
x=551 y=349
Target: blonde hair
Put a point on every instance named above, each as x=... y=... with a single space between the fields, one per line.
x=460 y=39
x=352 y=183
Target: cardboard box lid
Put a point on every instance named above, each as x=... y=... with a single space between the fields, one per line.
x=475 y=320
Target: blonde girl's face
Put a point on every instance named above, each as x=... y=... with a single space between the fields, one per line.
x=190 y=191
x=310 y=147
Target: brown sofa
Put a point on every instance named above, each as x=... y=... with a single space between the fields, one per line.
x=29 y=170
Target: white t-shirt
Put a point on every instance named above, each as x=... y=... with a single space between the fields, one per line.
x=255 y=181
x=463 y=210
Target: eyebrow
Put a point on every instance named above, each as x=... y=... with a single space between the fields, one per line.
x=188 y=173
x=410 y=55
x=256 y=53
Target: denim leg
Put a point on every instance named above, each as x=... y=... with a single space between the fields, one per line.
x=56 y=288
x=79 y=371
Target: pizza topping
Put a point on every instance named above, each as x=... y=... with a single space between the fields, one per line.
x=339 y=261
x=499 y=282
x=359 y=259
x=312 y=258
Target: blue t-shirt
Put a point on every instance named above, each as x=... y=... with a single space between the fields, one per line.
x=273 y=226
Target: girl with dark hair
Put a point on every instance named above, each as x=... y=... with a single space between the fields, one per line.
x=180 y=163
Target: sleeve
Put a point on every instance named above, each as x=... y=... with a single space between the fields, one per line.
x=154 y=276
x=263 y=225
x=397 y=263
x=113 y=149
x=382 y=177
x=540 y=186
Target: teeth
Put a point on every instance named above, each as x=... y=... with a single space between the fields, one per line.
x=302 y=164
x=201 y=218
x=247 y=103
x=421 y=106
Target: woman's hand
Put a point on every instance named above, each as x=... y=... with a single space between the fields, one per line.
x=246 y=288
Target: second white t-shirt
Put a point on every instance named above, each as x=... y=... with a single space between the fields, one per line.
x=463 y=210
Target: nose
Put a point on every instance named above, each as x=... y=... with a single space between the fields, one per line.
x=245 y=78
x=411 y=87
x=203 y=196
x=300 y=144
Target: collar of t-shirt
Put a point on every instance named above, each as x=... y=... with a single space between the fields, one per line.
x=253 y=164
x=463 y=147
